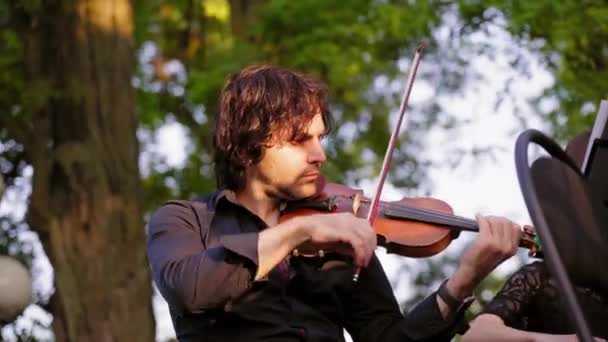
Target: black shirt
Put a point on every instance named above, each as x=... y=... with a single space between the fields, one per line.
x=203 y=256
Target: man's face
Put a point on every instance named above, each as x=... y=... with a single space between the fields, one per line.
x=289 y=170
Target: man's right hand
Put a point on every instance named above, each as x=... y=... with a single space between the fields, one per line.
x=337 y=232
x=340 y=232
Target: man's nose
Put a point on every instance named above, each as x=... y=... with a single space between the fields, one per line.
x=316 y=153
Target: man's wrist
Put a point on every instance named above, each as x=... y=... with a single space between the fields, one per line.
x=455 y=303
x=303 y=228
x=300 y=233
x=461 y=284
x=448 y=298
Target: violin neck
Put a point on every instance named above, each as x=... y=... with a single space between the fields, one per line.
x=432 y=217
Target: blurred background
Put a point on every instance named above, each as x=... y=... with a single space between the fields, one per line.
x=105 y=110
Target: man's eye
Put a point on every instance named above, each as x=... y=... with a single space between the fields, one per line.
x=299 y=140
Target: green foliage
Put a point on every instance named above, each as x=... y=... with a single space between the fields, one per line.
x=429 y=273
x=572 y=37
x=348 y=47
x=11 y=80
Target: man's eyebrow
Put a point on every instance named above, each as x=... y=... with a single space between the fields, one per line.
x=302 y=137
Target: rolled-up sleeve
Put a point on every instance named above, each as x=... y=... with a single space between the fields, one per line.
x=191 y=275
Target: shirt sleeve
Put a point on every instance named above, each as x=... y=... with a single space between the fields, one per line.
x=373 y=313
x=189 y=274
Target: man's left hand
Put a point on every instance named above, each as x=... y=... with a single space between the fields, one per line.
x=497 y=241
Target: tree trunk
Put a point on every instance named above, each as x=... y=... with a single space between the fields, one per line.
x=243 y=14
x=86 y=201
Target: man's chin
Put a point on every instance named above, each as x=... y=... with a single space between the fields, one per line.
x=300 y=192
x=308 y=191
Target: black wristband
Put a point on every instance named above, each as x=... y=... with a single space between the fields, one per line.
x=443 y=293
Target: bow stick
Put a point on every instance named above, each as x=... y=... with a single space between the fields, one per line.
x=373 y=212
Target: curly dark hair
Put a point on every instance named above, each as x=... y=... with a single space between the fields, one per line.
x=257 y=104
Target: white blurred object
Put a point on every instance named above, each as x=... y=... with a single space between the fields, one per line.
x=15 y=288
x=600 y=131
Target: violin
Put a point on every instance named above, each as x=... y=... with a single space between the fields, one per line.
x=411 y=227
x=414 y=227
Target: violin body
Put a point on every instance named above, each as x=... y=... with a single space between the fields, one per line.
x=412 y=227
x=414 y=238
x=403 y=237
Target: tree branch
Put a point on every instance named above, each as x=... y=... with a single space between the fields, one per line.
x=2 y=187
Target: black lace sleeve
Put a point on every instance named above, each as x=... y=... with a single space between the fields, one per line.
x=512 y=301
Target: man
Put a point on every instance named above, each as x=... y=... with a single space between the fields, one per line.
x=225 y=264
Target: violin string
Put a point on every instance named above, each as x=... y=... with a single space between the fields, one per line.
x=432 y=215
x=430 y=212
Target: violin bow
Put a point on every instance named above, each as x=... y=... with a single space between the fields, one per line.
x=374 y=205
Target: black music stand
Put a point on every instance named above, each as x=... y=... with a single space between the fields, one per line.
x=570 y=219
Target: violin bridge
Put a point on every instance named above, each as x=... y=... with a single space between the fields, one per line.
x=356 y=204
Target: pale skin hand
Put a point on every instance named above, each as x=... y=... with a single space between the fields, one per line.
x=497 y=241
x=488 y=327
x=349 y=234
